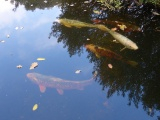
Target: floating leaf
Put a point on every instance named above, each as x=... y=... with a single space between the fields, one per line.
x=33 y=65
x=77 y=71
x=40 y=59
x=19 y=66
x=35 y=107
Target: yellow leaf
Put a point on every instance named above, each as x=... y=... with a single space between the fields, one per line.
x=122 y=27
x=39 y=59
x=35 y=107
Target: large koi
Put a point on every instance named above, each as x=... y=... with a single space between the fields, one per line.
x=44 y=81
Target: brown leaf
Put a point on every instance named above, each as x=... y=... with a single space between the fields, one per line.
x=33 y=65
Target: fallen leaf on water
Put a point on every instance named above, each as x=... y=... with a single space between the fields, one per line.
x=110 y=66
x=35 y=107
x=40 y=59
x=19 y=66
x=33 y=65
x=77 y=71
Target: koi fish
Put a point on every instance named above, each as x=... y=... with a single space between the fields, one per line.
x=99 y=51
x=74 y=23
x=122 y=39
x=44 y=81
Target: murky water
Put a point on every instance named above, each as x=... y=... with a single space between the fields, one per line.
x=28 y=31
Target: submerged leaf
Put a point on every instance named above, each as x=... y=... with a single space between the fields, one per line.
x=33 y=65
x=35 y=107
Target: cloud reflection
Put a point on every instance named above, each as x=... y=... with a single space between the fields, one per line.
x=8 y=17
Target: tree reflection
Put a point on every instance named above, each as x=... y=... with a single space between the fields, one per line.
x=141 y=84
x=35 y=4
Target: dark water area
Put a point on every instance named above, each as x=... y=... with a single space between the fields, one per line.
x=28 y=31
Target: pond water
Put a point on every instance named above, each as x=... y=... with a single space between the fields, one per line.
x=28 y=31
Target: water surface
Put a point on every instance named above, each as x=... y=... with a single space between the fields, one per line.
x=63 y=48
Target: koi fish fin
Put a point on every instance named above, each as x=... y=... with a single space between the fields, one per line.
x=132 y=63
x=123 y=49
x=42 y=88
x=60 y=91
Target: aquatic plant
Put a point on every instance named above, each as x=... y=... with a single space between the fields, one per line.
x=118 y=4
x=111 y=4
x=155 y=2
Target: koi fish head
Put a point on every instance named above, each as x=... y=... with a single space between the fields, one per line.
x=131 y=45
x=32 y=77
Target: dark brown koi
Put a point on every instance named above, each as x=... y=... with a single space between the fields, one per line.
x=102 y=52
